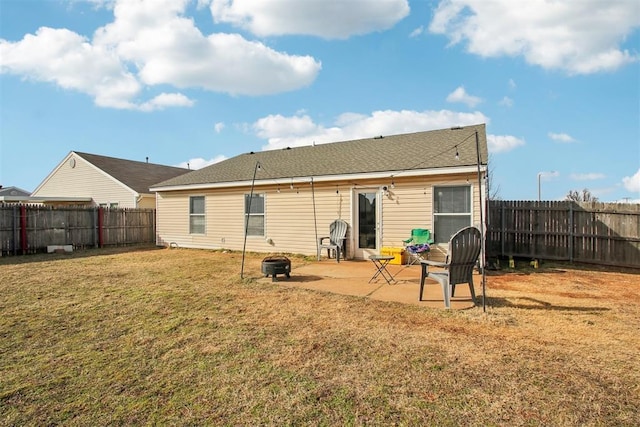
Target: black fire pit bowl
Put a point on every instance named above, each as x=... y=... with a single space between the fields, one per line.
x=274 y=265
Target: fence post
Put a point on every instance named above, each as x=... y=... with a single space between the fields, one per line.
x=16 y=234
x=23 y=229
x=570 y=231
x=100 y=226
x=95 y=227
x=503 y=232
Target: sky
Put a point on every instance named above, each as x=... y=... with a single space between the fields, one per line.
x=182 y=82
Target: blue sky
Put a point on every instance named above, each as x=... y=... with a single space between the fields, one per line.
x=178 y=81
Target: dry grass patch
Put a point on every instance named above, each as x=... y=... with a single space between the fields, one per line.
x=160 y=336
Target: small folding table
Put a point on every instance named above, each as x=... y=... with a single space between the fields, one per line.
x=381 y=262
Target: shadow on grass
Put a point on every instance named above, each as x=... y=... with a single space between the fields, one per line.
x=77 y=253
x=535 y=304
x=295 y=278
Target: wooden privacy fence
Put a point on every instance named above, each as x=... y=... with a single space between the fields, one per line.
x=32 y=228
x=600 y=233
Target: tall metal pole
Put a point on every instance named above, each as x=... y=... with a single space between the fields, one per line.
x=539 y=175
x=482 y=241
x=246 y=221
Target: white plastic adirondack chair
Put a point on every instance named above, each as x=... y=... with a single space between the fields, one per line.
x=464 y=249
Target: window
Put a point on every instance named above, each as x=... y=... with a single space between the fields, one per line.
x=196 y=215
x=451 y=211
x=254 y=214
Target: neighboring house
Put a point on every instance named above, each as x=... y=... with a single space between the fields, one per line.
x=12 y=194
x=382 y=186
x=82 y=178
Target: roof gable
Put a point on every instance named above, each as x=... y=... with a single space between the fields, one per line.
x=13 y=191
x=394 y=154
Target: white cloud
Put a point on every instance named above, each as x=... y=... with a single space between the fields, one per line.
x=98 y=4
x=67 y=59
x=579 y=37
x=561 y=137
x=632 y=183
x=165 y=100
x=461 y=95
x=548 y=175
x=512 y=84
x=418 y=31
x=276 y=126
x=199 y=162
x=326 y=19
x=586 y=176
x=281 y=131
x=506 y=102
x=151 y=43
x=219 y=126
x=171 y=50
x=503 y=143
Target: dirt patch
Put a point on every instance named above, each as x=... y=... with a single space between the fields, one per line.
x=571 y=282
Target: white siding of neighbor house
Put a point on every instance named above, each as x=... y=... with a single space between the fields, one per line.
x=85 y=180
x=291 y=220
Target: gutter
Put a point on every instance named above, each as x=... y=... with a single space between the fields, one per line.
x=324 y=178
x=42 y=199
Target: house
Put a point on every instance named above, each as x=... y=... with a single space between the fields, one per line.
x=82 y=178
x=12 y=194
x=283 y=200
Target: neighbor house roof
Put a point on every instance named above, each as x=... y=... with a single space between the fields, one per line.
x=13 y=191
x=396 y=153
x=138 y=176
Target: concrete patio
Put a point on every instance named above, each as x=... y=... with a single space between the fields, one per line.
x=352 y=278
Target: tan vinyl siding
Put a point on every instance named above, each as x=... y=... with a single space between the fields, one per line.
x=147 y=202
x=294 y=218
x=172 y=219
x=225 y=220
x=289 y=220
x=410 y=205
x=84 y=180
x=407 y=206
x=294 y=215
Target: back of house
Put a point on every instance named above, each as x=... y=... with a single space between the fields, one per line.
x=281 y=201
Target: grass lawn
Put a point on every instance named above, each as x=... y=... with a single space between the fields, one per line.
x=159 y=336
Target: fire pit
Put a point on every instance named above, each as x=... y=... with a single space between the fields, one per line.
x=276 y=265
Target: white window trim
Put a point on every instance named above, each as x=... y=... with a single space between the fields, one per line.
x=433 y=203
x=263 y=215
x=203 y=215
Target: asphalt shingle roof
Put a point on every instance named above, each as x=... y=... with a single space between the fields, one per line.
x=13 y=191
x=138 y=176
x=395 y=153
